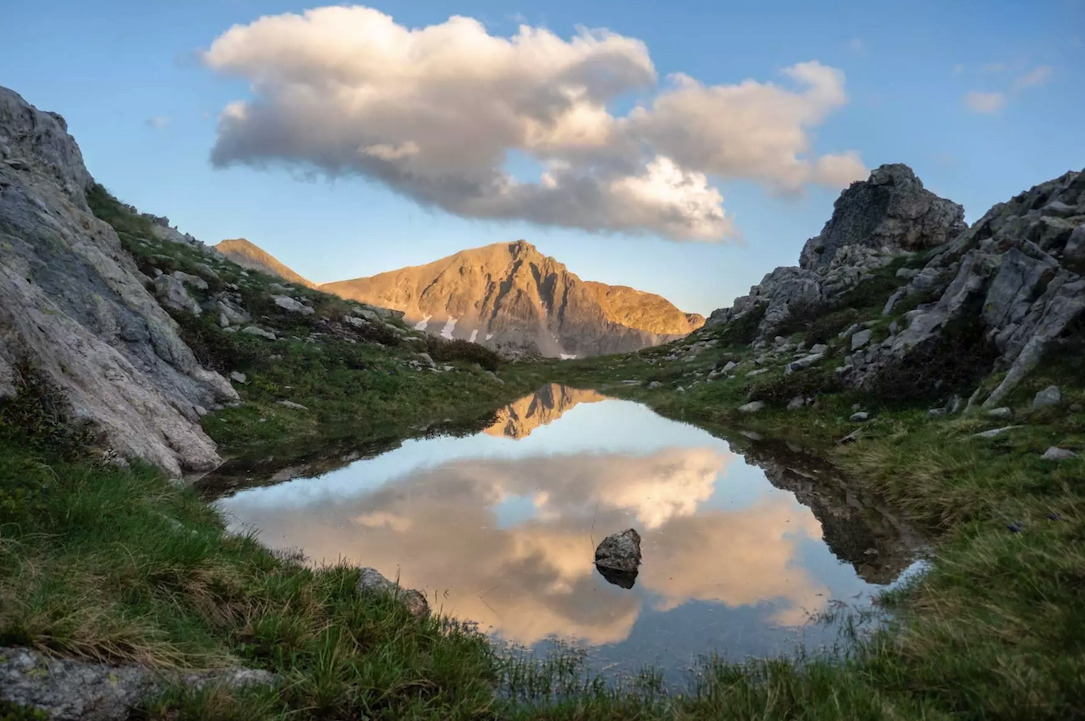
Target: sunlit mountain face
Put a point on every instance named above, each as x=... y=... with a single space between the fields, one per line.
x=500 y=529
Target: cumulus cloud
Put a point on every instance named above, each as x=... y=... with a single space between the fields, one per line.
x=434 y=112
x=986 y=103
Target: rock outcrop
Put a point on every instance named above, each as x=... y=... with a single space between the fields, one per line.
x=74 y=308
x=619 y=551
x=79 y=690
x=251 y=256
x=1007 y=290
x=510 y=293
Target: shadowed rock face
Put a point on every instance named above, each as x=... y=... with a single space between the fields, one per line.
x=73 y=306
x=248 y=255
x=511 y=293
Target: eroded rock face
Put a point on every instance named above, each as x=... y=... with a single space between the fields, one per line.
x=873 y=222
x=75 y=690
x=73 y=305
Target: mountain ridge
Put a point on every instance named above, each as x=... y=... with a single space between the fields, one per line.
x=249 y=255
x=512 y=293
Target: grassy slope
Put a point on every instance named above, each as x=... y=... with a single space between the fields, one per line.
x=995 y=631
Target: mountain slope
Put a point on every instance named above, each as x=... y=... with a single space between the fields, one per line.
x=517 y=420
x=512 y=293
x=249 y=255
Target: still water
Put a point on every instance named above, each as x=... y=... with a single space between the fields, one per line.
x=500 y=529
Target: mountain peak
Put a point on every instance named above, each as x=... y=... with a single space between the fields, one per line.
x=249 y=255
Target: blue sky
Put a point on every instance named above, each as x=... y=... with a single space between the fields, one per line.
x=113 y=68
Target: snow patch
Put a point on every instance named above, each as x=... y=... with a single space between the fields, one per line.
x=421 y=325
x=474 y=334
x=450 y=325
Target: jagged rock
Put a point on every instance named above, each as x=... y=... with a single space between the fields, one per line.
x=1050 y=396
x=752 y=407
x=861 y=339
x=258 y=331
x=1002 y=412
x=287 y=303
x=73 y=305
x=77 y=690
x=619 y=551
x=371 y=581
x=230 y=314
x=1058 y=454
x=292 y=405
x=172 y=293
x=729 y=366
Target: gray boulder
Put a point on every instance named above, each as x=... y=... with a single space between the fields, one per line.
x=1050 y=396
x=619 y=551
x=859 y=417
x=287 y=303
x=752 y=407
x=1002 y=412
x=861 y=339
x=371 y=581
x=1058 y=454
x=73 y=305
x=258 y=331
x=78 y=690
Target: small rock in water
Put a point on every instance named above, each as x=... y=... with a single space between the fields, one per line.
x=370 y=580
x=619 y=551
x=1050 y=396
x=1058 y=454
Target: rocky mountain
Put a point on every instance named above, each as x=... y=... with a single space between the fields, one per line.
x=953 y=302
x=249 y=255
x=517 y=420
x=510 y=293
x=75 y=315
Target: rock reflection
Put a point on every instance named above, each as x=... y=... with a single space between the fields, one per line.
x=519 y=419
x=621 y=579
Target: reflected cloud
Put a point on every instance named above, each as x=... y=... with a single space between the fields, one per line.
x=441 y=529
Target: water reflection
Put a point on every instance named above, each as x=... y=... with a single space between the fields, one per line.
x=501 y=528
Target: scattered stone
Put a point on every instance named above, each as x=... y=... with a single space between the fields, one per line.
x=428 y=360
x=239 y=377
x=1050 y=396
x=995 y=432
x=757 y=372
x=680 y=389
x=752 y=407
x=796 y=403
x=654 y=384
x=859 y=417
x=1058 y=454
x=256 y=330
x=936 y=412
x=355 y=322
x=371 y=581
x=67 y=689
x=493 y=376
x=293 y=405
x=731 y=365
x=619 y=551
x=287 y=303
x=819 y=348
x=803 y=363
x=172 y=293
x=861 y=339
x=852 y=437
x=1002 y=412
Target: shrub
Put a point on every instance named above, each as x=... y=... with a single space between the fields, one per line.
x=743 y=330
x=805 y=383
x=826 y=327
x=447 y=351
x=801 y=315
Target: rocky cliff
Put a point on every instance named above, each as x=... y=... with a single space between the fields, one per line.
x=75 y=312
x=251 y=256
x=510 y=293
x=953 y=303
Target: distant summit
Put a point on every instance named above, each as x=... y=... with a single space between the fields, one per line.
x=511 y=294
x=249 y=255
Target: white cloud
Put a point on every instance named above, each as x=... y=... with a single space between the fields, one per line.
x=158 y=122
x=986 y=103
x=433 y=112
x=1037 y=76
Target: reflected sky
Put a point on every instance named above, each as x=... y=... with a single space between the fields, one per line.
x=500 y=528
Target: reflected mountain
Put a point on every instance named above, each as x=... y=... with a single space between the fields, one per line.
x=504 y=534
x=519 y=419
